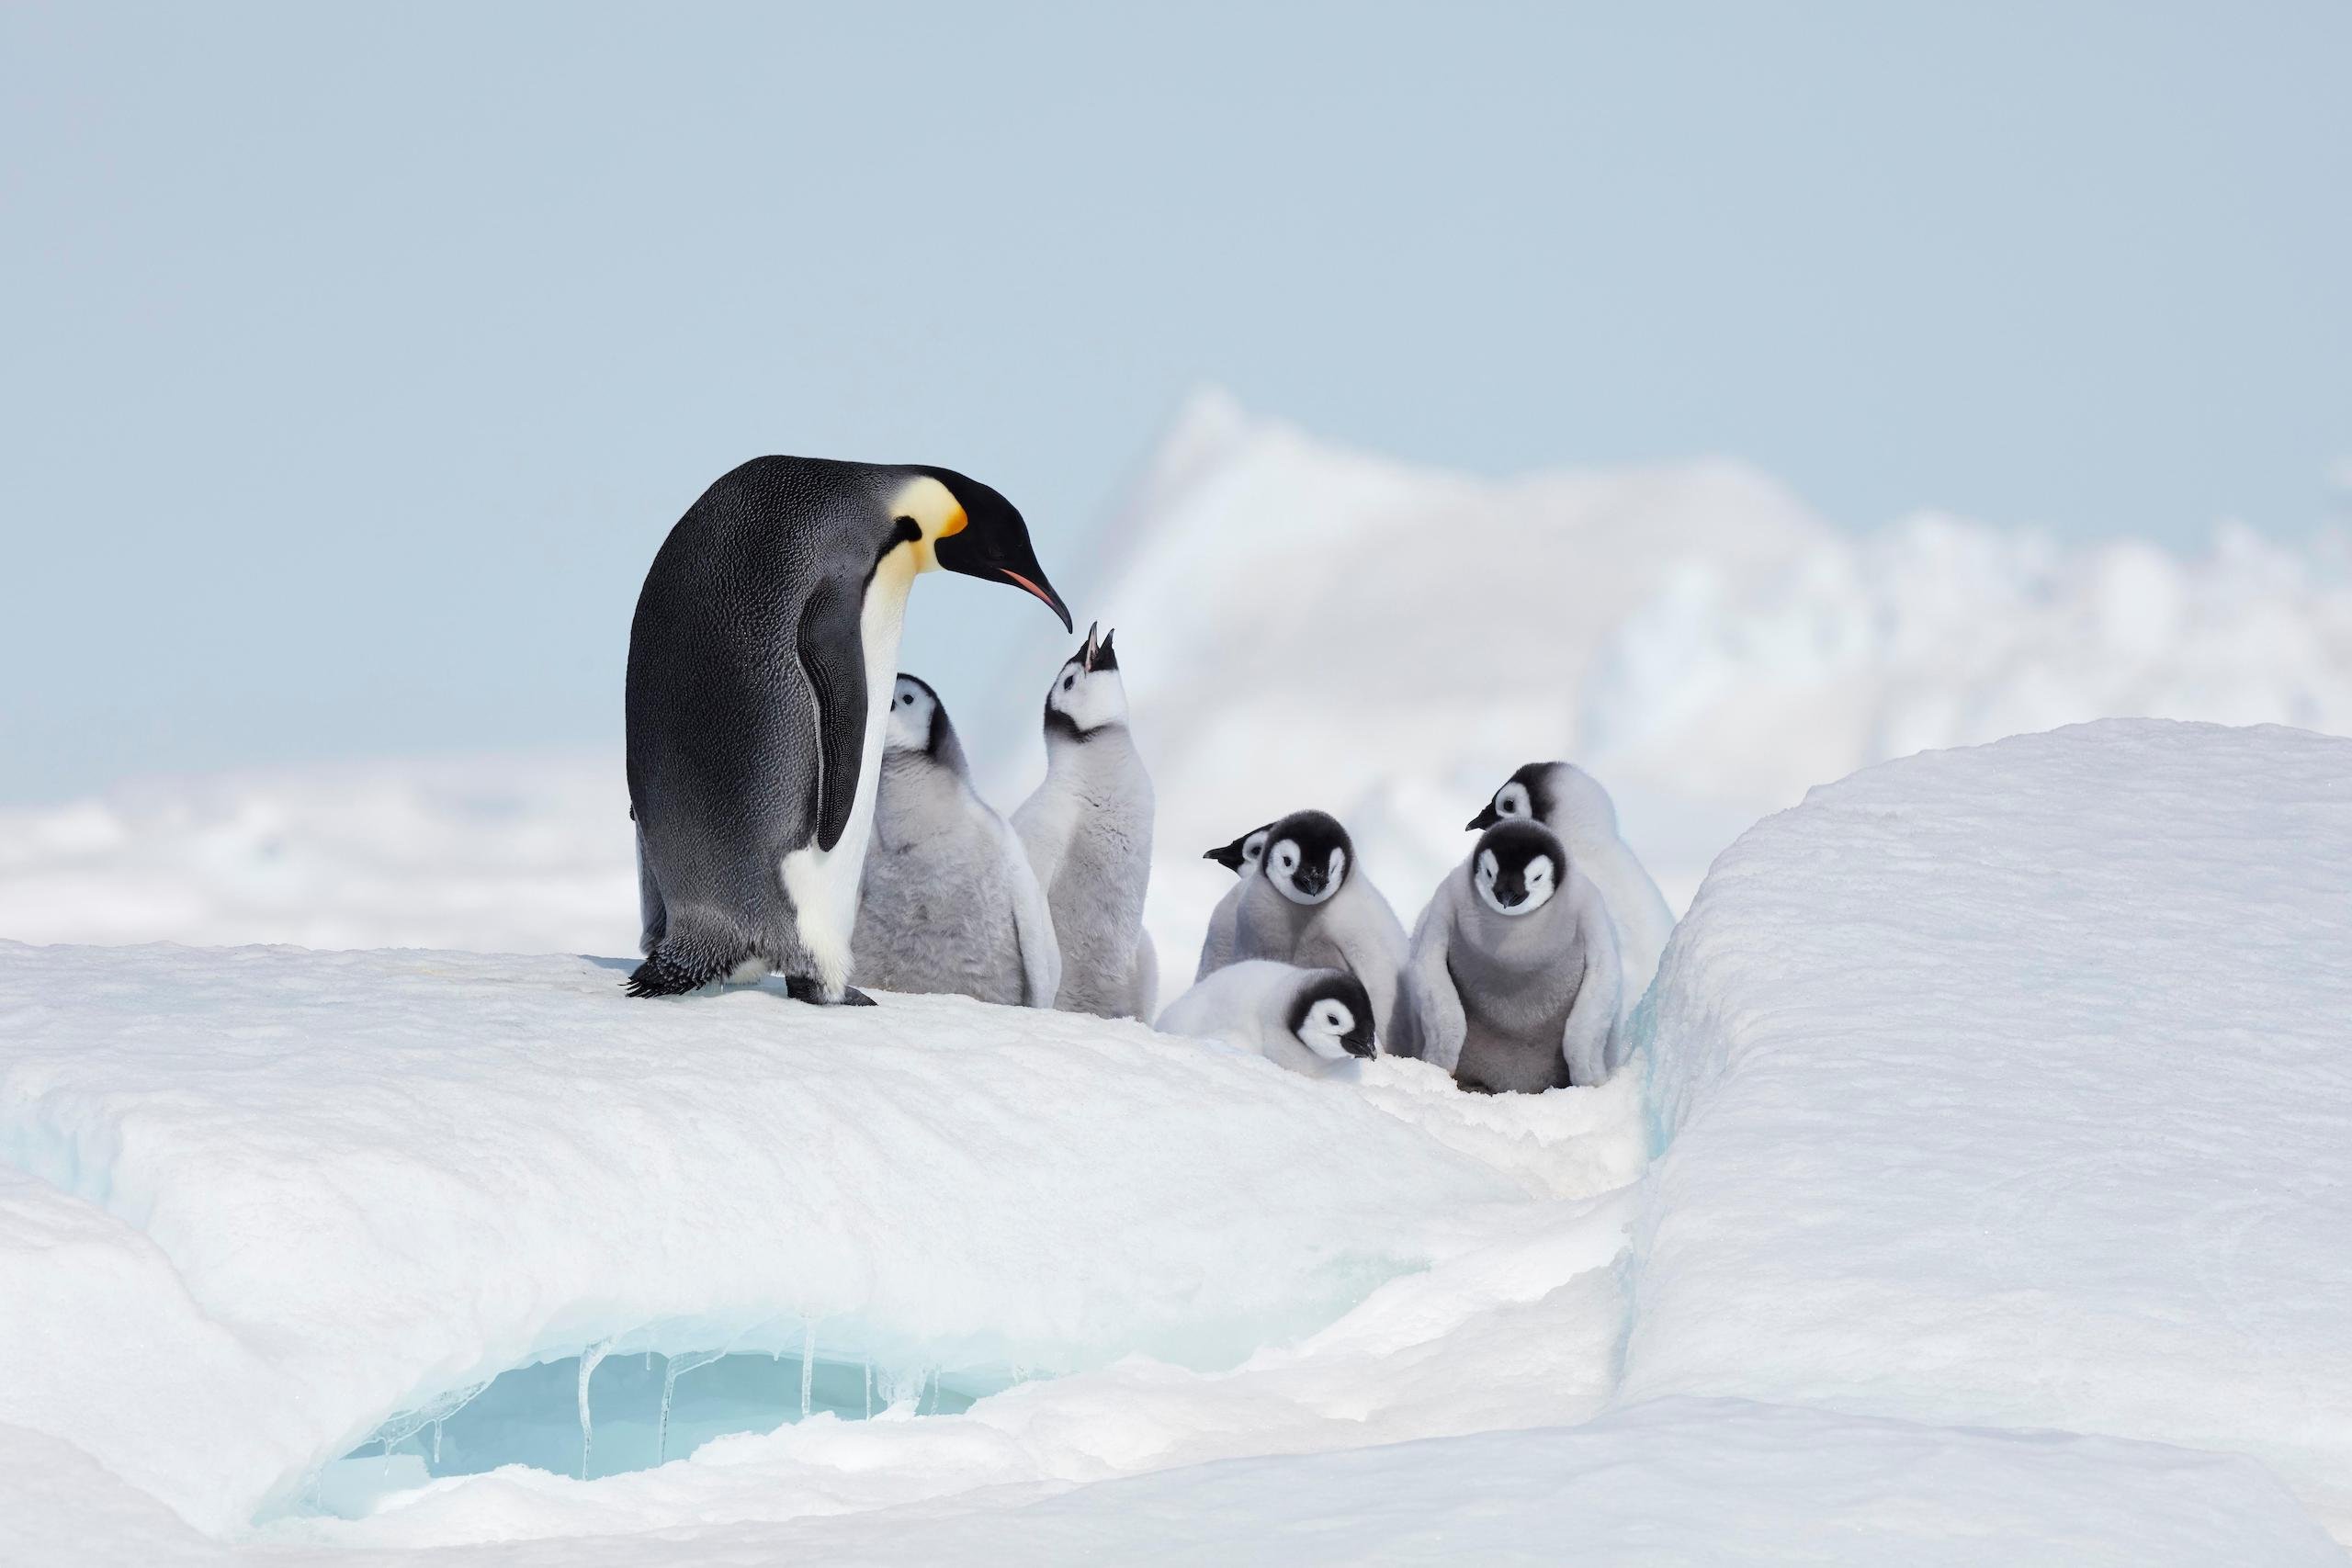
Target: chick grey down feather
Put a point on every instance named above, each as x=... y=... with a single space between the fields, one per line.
x=1086 y=829
x=1512 y=1003
x=948 y=904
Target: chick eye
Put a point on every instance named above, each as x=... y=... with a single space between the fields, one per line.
x=1067 y=681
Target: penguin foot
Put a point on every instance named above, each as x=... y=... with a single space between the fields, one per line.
x=657 y=976
x=801 y=988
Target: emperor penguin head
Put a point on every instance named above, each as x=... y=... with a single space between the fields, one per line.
x=1331 y=1016
x=1517 y=867
x=960 y=525
x=1242 y=856
x=919 y=726
x=1307 y=856
x=1087 y=694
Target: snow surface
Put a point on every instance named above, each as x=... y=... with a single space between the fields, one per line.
x=2014 y=1085
x=512 y=854
x=263 y=1198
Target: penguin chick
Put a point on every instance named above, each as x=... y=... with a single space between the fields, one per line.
x=949 y=903
x=1513 y=981
x=1088 y=832
x=1310 y=904
x=1241 y=857
x=1572 y=803
x=761 y=665
x=1306 y=1019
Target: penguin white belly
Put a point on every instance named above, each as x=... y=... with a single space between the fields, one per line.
x=824 y=884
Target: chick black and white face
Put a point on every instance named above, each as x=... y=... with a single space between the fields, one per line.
x=1525 y=797
x=1332 y=1018
x=913 y=706
x=1242 y=856
x=1307 y=856
x=1087 y=694
x=1517 y=867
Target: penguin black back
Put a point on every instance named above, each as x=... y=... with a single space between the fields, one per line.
x=758 y=660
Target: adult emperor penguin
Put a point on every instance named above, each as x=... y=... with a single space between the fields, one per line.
x=1306 y=1019
x=1311 y=905
x=1572 y=803
x=1241 y=858
x=949 y=903
x=1513 y=980
x=1088 y=832
x=761 y=667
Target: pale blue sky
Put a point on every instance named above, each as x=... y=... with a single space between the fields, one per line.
x=353 y=362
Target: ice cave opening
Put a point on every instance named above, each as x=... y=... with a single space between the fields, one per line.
x=596 y=1414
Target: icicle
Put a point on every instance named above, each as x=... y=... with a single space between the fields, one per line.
x=436 y=1447
x=869 y=1390
x=678 y=1366
x=588 y=1359
x=808 y=1363
x=661 y=1429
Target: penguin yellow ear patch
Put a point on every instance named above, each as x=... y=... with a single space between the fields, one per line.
x=932 y=506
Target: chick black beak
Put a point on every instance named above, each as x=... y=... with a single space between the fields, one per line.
x=1359 y=1044
x=1309 y=880
x=1484 y=820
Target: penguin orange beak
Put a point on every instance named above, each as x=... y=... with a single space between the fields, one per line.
x=993 y=545
x=1044 y=591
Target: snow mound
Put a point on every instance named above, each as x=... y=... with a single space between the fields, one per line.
x=1310 y=626
x=1673 y=1481
x=264 y=1199
x=523 y=855
x=2009 y=1086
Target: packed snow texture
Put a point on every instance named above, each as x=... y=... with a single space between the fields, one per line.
x=2010 y=1086
x=1672 y=1482
x=258 y=1201
x=261 y=1199
x=1304 y=624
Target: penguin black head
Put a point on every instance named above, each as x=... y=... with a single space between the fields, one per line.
x=981 y=535
x=1526 y=795
x=1331 y=1016
x=1517 y=867
x=918 y=725
x=1087 y=694
x=1308 y=856
x=1243 y=852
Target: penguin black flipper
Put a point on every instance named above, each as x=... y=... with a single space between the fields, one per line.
x=832 y=655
